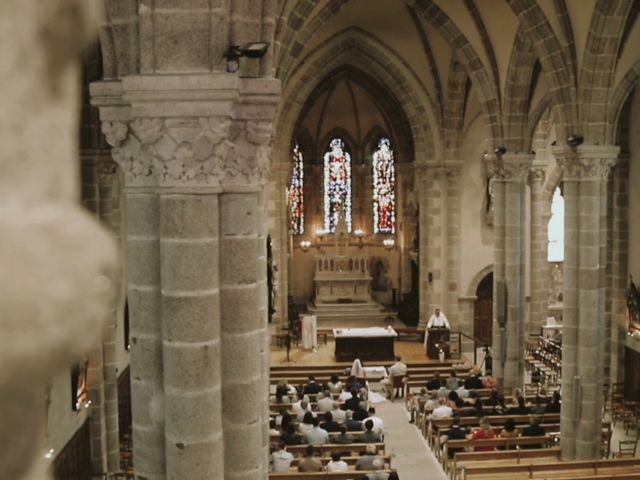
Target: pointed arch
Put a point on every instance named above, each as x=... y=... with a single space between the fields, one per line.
x=454 y=109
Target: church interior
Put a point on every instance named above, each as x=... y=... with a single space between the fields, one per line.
x=204 y=200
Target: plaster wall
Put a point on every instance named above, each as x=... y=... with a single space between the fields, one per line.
x=62 y=422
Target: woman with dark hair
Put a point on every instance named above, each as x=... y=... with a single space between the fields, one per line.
x=554 y=405
x=454 y=400
x=307 y=423
x=521 y=409
x=289 y=435
x=282 y=393
x=509 y=429
x=334 y=384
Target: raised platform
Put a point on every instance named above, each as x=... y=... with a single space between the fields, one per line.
x=349 y=314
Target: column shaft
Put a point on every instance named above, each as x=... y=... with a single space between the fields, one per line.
x=538 y=248
x=191 y=336
x=143 y=292
x=243 y=323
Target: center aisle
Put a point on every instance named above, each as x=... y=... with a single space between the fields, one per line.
x=411 y=456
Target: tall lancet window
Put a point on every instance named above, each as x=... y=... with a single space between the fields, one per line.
x=555 y=229
x=296 y=193
x=337 y=186
x=384 y=180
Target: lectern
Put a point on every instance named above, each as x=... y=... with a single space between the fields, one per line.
x=438 y=339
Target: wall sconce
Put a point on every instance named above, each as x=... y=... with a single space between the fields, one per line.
x=389 y=243
x=49 y=454
x=304 y=245
x=359 y=233
x=249 y=50
x=575 y=140
x=320 y=233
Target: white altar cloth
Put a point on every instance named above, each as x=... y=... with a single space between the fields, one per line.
x=309 y=332
x=365 y=332
x=375 y=373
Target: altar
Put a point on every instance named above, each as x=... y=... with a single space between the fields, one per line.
x=374 y=343
x=342 y=278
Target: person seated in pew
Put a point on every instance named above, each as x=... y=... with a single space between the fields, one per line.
x=306 y=424
x=454 y=433
x=521 y=409
x=324 y=401
x=280 y=417
x=281 y=459
x=309 y=463
x=534 y=429
x=489 y=381
x=300 y=407
x=414 y=401
x=353 y=402
x=351 y=424
x=369 y=436
x=290 y=436
x=495 y=403
x=329 y=424
x=435 y=383
x=398 y=369
x=475 y=401
x=554 y=405
x=462 y=392
x=344 y=437
x=509 y=429
x=345 y=394
x=272 y=427
x=282 y=394
x=453 y=382
x=431 y=403
x=454 y=400
x=339 y=415
x=317 y=435
x=312 y=386
x=365 y=462
x=485 y=431
x=353 y=383
x=442 y=410
x=473 y=381
x=334 y=384
x=376 y=474
x=361 y=413
x=538 y=408
x=378 y=424
x=337 y=464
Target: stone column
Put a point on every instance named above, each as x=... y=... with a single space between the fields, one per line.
x=586 y=169
x=451 y=217
x=509 y=194
x=106 y=169
x=245 y=340
x=619 y=266
x=538 y=248
x=90 y=198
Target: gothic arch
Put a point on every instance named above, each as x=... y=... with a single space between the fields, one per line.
x=358 y=48
x=619 y=98
x=454 y=108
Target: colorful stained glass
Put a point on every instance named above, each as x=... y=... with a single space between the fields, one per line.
x=296 y=194
x=337 y=186
x=384 y=198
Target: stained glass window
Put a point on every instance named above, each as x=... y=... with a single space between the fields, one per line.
x=337 y=186
x=296 y=193
x=384 y=179
x=555 y=229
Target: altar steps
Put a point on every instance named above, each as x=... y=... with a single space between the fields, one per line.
x=356 y=314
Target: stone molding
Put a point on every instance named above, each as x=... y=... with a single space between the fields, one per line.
x=537 y=175
x=586 y=162
x=181 y=132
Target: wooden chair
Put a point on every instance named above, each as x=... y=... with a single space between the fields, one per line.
x=626 y=449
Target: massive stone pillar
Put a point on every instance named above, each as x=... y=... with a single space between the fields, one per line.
x=538 y=251
x=586 y=169
x=510 y=173
x=194 y=150
x=451 y=217
x=618 y=260
x=106 y=169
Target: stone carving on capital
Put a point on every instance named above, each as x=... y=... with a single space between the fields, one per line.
x=537 y=175
x=248 y=158
x=172 y=152
x=575 y=168
x=106 y=170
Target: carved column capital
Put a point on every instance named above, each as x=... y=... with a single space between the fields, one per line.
x=586 y=162
x=106 y=169
x=537 y=175
x=509 y=167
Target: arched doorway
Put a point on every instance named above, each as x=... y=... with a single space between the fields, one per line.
x=483 y=310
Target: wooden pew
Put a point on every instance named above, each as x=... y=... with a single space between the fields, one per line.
x=504 y=443
x=501 y=457
x=570 y=469
x=350 y=459
x=328 y=448
x=350 y=475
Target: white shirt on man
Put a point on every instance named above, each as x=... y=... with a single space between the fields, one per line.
x=281 y=460
x=438 y=321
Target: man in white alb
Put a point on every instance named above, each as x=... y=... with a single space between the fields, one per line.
x=437 y=320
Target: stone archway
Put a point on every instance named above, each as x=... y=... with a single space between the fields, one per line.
x=483 y=311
